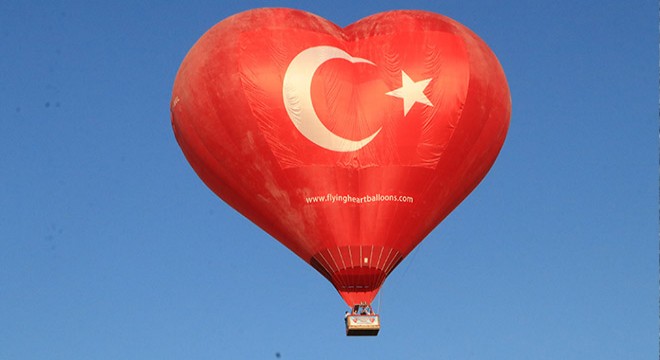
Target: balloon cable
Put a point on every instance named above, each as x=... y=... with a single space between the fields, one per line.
x=380 y=297
x=405 y=271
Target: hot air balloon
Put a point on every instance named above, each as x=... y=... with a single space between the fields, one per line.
x=347 y=145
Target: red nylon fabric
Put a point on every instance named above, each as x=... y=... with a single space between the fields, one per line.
x=287 y=118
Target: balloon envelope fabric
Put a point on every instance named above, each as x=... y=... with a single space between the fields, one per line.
x=347 y=145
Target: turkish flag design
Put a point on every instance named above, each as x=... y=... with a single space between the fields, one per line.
x=348 y=145
x=355 y=100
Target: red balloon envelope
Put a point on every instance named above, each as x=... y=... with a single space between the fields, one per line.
x=348 y=145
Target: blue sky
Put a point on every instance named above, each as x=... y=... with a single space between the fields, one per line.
x=112 y=248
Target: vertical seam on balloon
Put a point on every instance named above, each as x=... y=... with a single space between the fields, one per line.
x=379 y=257
x=349 y=277
x=336 y=273
x=350 y=256
x=360 y=256
x=373 y=278
x=341 y=256
x=387 y=260
x=331 y=274
x=371 y=254
x=393 y=263
x=382 y=276
x=327 y=262
x=333 y=260
x=389 y=263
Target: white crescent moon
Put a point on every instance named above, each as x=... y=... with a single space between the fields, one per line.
x=296 y=91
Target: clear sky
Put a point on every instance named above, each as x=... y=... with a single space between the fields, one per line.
x=112 y=248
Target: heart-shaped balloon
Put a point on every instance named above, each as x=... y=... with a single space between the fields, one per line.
x=347 y=145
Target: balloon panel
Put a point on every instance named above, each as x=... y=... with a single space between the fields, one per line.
x=347 y=145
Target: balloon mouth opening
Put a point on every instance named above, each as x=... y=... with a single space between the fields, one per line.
x=357 y=272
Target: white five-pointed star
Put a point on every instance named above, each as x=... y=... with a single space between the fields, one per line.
x=411 y=92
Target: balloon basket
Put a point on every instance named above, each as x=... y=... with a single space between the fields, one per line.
x=362 y=322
